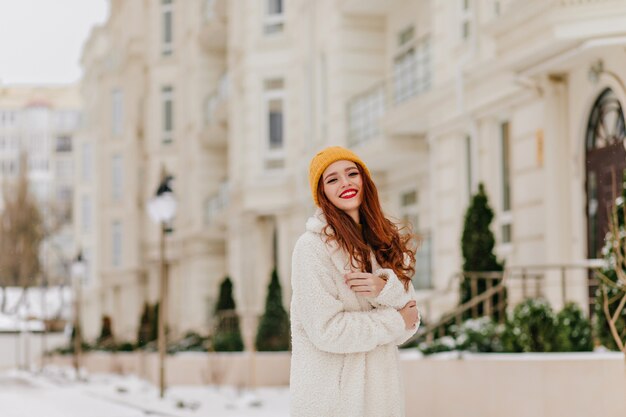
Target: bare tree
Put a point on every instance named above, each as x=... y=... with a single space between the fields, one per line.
x=21 y=234
x=613 y=280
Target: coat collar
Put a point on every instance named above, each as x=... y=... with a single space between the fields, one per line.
x=317 y=222
x=339 y=258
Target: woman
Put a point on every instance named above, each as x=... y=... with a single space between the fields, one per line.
x=353 y=301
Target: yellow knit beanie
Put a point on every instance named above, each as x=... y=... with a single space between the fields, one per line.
x=323 y=159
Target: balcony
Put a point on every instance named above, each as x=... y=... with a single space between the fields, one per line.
x=556 y=27
x=369 y=112
x=215 y=210
x=214 y=29
x=367 y=7
x=214 y=136
x=215 y=131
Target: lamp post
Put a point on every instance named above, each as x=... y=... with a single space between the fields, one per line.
x=162 y=209
x=77 y=272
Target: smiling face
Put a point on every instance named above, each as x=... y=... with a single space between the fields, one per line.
x=343 y=186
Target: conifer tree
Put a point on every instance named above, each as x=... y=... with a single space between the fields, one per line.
x=146 y=332
x=273 y=333
x=227 y=336
x=477 y=244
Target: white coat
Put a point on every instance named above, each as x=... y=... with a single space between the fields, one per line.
x=344 y=347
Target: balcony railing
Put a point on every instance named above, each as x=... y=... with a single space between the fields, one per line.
x=364 y=113
x=216 y=204
x=412 y=77
x=214 y=28
x=219 y=97
x=581 y=2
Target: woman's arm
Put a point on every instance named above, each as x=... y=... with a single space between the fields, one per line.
x=410 y=332
x=393 y=293
x=315 y=299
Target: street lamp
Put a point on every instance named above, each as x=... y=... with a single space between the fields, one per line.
x=78 y=272
x=161 y=209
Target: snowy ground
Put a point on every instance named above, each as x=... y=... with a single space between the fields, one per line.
x=56 y=393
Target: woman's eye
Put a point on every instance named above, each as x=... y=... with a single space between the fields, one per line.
x=353 y=174
x=330 y=181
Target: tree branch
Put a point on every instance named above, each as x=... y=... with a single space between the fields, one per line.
x=605 y=305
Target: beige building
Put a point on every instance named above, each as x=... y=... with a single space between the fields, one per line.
x=436 y=96
x=43 y=123
x=152 y=82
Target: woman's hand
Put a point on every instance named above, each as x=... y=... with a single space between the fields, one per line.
x=364 y=283
x=410 y=314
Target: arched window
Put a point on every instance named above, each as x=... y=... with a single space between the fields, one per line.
x=606 y=122
x=605 y=161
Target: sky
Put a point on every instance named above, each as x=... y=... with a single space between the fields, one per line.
x=41 y=40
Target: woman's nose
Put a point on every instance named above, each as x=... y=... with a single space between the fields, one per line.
x=344 y=181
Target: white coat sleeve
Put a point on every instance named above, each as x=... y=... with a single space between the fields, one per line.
x=408 y=333
x=394 y=295
x=315 y=299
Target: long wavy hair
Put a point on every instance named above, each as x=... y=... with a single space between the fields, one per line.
x=377 y=234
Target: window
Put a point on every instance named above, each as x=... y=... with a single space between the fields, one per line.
x=64 y=196
x=85 y=213
x=497 y=9
x=506 y=166
x=209 y=9
x=506 y=233
x=167 y=10
x=274 y=119
x=422 y=280
x=116 y=241
x=275 y=114
x=411 y=69
x=117 y=112
x=87 y=277
x=167 y=99
x=86 y=163
x=406 y=36
x=505 y=147
x=409 y=211
x=323 y=89
x=364 y=113
x=274 y=17
x=67 y=120
x=64 y=172
x=466 y=19
x=117 y=177
x=469 y=166
x=63 y=144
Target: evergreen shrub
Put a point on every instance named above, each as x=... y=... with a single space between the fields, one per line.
x=274 y=332
x=227 y=336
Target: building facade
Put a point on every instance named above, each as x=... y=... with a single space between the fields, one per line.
x=525 y=97
x=235 y=97
x=41 y=125
x=152 y=93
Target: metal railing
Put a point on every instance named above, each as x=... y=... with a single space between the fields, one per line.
x=531 y=280
x=581 y=2
x=216 y=204
x=219 y=96
x=412 y=77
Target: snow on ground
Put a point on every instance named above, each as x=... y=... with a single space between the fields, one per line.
x=56 y=393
